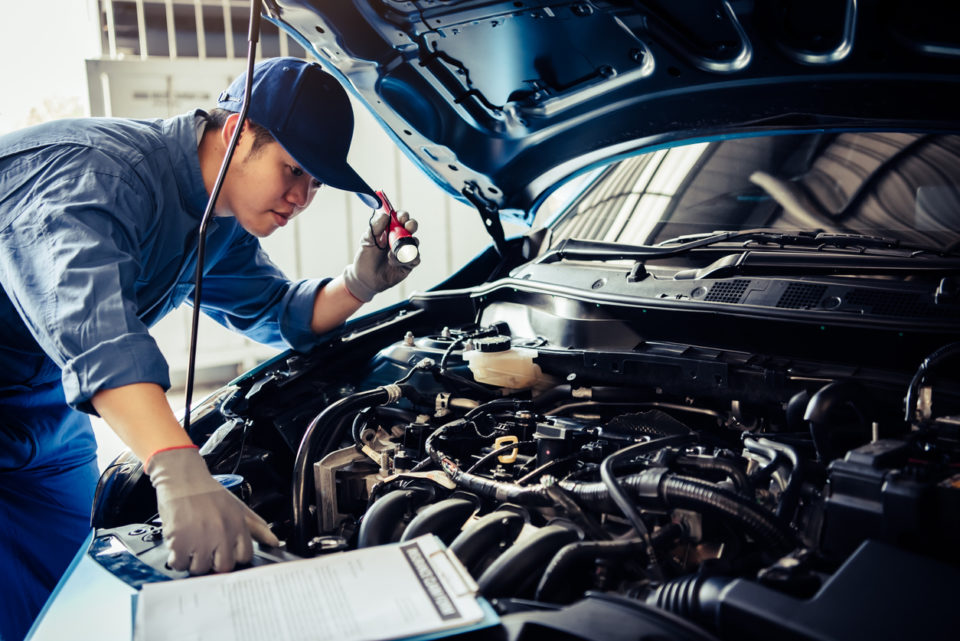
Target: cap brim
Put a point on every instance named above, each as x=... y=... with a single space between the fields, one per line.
x=337 y=175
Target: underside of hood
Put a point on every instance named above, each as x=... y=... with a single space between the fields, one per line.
x=500 y=102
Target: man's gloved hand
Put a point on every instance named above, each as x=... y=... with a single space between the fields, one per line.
x=204 y=525
x=375 y=268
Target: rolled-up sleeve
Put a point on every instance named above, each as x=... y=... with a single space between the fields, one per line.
x=70 y=267
x=244 y=291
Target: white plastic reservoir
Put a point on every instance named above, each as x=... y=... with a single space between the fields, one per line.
x=494 y=361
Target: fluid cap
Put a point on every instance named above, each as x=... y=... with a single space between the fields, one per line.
x=492 y=344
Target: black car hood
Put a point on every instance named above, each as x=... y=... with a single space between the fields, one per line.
x=500 y=102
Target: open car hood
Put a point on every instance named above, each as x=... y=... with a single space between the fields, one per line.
x=499 y=102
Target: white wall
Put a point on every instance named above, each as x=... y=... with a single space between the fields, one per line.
x=322 y=239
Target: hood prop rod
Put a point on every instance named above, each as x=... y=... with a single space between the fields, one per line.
x=490 y=215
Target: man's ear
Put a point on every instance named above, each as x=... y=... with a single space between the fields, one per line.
x=229 y=126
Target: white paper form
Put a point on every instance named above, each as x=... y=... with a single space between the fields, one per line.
x=384 y=592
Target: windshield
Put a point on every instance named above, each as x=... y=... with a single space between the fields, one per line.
x=904 y=186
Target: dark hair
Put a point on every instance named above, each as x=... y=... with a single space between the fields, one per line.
x=217 y=118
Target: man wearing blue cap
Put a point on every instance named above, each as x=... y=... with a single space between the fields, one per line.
x=98 y=241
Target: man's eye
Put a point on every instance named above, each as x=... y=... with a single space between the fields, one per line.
x=317 y=184
x=296 y=171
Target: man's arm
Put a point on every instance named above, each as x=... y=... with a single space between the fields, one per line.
x=141 y=417
x=334 y=304
x=204 y=525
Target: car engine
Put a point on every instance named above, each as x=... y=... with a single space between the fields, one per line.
x=586 y=469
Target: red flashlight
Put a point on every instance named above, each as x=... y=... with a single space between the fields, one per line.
x=403 y=245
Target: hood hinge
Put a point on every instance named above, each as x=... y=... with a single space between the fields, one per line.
x=490 y=215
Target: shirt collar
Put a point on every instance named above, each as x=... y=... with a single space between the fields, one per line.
x=181 y=132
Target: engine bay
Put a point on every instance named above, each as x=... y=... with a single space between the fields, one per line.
x=582 y=468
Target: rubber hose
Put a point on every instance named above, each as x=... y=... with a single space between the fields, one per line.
x=362 y=419
x=359 y=424
x=675 y=490
x=734 y=473
x=790 y=496
x=511 y=404
x=687 y=492
x=763 y=474
x=320 y=433
x=690 y=493
x=912 y=389
x=695 y=597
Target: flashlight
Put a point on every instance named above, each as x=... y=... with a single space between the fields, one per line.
x=403 y=245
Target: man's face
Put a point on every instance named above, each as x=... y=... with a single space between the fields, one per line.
x=265 y=188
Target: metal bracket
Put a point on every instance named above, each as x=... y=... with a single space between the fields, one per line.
x=637 y=273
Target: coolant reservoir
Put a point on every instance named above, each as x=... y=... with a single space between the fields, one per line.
x=494 y=361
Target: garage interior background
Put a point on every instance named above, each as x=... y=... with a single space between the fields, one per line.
x=143 y=59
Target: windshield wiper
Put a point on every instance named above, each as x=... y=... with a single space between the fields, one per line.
x=816 y=238
x=573 y=249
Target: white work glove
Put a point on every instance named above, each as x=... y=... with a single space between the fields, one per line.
x=375 y=268
x=204 y=525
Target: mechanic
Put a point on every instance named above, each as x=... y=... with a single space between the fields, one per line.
x=98 y=241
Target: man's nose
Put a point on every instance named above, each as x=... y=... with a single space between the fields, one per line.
x=299 y=193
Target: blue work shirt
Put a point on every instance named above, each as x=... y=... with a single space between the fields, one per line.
x=98 y=241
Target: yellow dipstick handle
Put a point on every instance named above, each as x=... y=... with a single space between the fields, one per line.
x=503 y=441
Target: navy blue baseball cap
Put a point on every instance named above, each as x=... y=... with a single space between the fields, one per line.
x=308 y=112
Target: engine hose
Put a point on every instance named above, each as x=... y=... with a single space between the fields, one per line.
x=363 y=417
x=763 y=474
x=359 y=424
x=790 y=496
x=499 y=490
x=674 y=490
x=546 y=467
x=549 y=398
x=655 y=484
x=737 y=476
x=694 y=597
x=535 y=495
x=323 y=432
x=619 y=495
x=383 y=518
x=679 y=492
x=691 y=493
x=556 y=576
x=913 y=389
x=510 y=404
x=660 y=487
